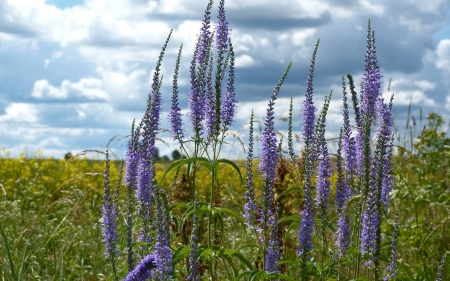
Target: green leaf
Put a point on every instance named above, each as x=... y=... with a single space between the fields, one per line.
x=202 y=207
x=298 y=189
x=180 y=163
x=289 y=261
x=206 y=252
x=279 y=276
x=23 y=262
x=289 y=218
x=232 y=213
x=178 y=205
x=230 y=261
x=234 y=253
x=242 y=275
x=181 y=253
x=8 y=253
x=232 y=164
x=255 y=273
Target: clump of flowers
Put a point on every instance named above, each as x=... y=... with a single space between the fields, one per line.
x=193 y=236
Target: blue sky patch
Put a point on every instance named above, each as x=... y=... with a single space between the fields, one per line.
x=62 y=4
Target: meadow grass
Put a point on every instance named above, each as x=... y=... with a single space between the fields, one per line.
x=52 y=209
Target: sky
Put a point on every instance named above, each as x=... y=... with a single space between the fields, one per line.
x=75 y=73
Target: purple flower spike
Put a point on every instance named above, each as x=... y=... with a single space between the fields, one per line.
x=307 y=222
x=343 y=234
x=193 y=256
x=384 y=148
x=306 y=226
x=309 y=109
x=210 y=103
x=109 y=216
x=132 y=160
x=348 y=142
x=196 y=99
x=273 y=249
x=323 y=175
x=222 y=29
x=269 y=144
x=371 y=81
x=250 y=205
x=228 y=109
x=370 y=227
x=162 y=246
x=392 y=266
x=205 y=35
x=143 y=270
x=176 y=124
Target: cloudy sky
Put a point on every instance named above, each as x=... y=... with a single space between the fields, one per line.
x=74 y=73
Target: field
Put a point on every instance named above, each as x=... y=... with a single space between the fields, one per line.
x=51 y=210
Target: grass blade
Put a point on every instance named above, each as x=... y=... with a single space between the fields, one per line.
x=8 y=253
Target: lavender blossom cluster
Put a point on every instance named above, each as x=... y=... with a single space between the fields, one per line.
x=363 y=174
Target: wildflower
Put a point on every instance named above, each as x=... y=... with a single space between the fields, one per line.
x=205 y=35
x=324 y=165
x=147 y=169
x=371 y=85
x=307 y=222
x=250 y=205
x=210 y=103
x=175 y=121
x=290 y=141
x=228 y=109
x=193 y=256
x=441 y=268
x=109 y=216
x=143 y=270
x=273 y=249
x=343 y=233
x=306 y=225
x=371 y=81
x=222 y=29
x=162 y=246
x=348 y=142
x=341 y=196
x=370 y=233
x=323 y=182
x=309 y=109
x=132 y=158
x=383 y=153
x=195 y=100
x=392 y=266
x=269 y=153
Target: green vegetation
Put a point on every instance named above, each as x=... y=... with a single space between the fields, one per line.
x=51 y=209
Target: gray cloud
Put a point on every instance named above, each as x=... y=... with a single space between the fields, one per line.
x=98 y=72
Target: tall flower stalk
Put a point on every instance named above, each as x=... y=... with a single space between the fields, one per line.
x=267 y=167
x=307 y=214
x=109 y=220
x=363 y=184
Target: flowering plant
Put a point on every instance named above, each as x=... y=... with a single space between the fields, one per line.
x=339 y=233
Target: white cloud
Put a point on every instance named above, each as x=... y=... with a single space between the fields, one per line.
x=89 y=88
x=425 y=85
x=443 y=55
x=244 y=61
x=20 y=112
x=416 y=97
